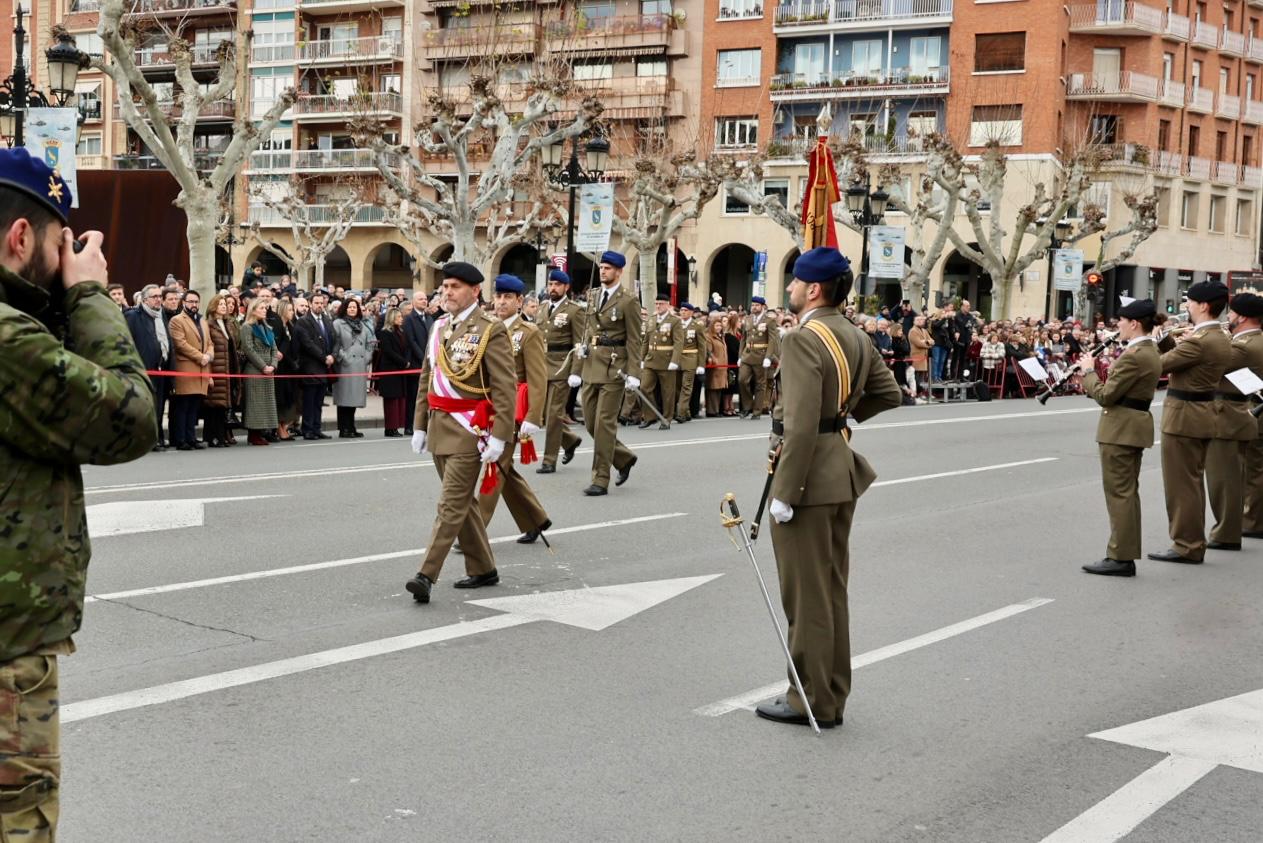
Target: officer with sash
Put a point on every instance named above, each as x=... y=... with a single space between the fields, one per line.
x=692 y=358
x=664 y=348
x=561 y=320
x=465 y=400
x=830 y=374
x=1124 y=431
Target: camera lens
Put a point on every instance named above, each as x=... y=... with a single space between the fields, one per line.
x=78 y=246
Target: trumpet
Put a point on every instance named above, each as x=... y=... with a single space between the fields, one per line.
x=1054 y=388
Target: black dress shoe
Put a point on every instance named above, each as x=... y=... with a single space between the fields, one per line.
x=1253 y=534
x=355 y=434
x=478 y=581
x=311 y=437
x=1112 y=568
x=781 y=712
x=567 y=454
x=407 y=431
x=645 y=425
x=159 y=447
x=530 y=536
x=198 y=446
x=272 y=436
x=344 y=434
x=391 y=433
x=679 y=420
x=546 y=469
x=664 y=426
x=323 y=436
x=184 y=446
x=419 y=587
x=1214 y=545
x=595 y=490
x=1172 y=556
x=624 y=473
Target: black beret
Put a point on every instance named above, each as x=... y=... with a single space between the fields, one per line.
x=462 y=271
x=662 y=297
x=1205 y=291
x=1138 y=309
x=1248 y=305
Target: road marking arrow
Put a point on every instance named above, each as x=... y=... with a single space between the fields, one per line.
x=587 y=608
x=119 y=518
x=1197 y=740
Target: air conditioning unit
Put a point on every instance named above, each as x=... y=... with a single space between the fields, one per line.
x=386 y=44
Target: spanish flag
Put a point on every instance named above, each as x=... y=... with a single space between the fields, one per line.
x=822 y=193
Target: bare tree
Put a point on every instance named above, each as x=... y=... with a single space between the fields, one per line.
x=167 y=129
x=1141 y=225
x=316 y=229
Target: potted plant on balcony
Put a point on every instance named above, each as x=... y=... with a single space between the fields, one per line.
x=777 y=149
x=1140 y=155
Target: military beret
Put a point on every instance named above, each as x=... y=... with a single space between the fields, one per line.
x=462 y=271
x=1205 y=291
x=686 y=306
x=1138 y=309
x=559 y=276
x=758 y=300
x=20 y=172
x=614 y=259
x=506 y=283
x=662 y=297
x=823 y=263
x=1247 y=304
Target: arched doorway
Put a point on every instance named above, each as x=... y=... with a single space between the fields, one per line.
x=663 y=286
x=223 y=268
x=441 y=255
x=274 y=266
x=337 y=268
x=389 y=267
x=521 y=260
x=964 y=279
x=732 y=275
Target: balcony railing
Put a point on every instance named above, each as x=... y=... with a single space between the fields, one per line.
x=90 y=162
x=163 y=57
x=1254 y=112
x=369 y=48
x=1224 y=172
x=1169 y=164
x=1176 y=27
x=315 y=214
x=90 y=109
x=464 y=41
x=1254 y=49
x=1197 y=168
x=929 y=80
x=159 y=8
x=201 y=160
x=1124 y=85
x=1228 y=106
x=1116 y=18
x=271 y=159
x=1251 y=177
x=263 y=53
x=336 y=159
x=623 y=32
x=1205 y=35
x=817 y=12
x=220 y=109
x=1172 y=93
x=1201 y=99
x=77 y=6
x=368 y=103
x=1232 y=43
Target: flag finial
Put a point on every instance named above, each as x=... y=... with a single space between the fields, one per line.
x=824 y=122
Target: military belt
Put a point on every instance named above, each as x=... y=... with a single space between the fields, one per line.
x=1134 y=404
x=1231 y=396
x=1186 y=395
x=606 y=341
x=553 y=346
x=833 y=425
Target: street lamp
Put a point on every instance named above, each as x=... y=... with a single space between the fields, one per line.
x=867 y=209
x=570 y=175
x=692 y=272
x=1062 y=231
x=17 y=94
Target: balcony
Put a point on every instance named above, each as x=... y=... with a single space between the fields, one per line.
x=634 y=97
x=1169 y=164
x=90 y=109
x=78 y=7
x=333 y=107
x=211 y=112
x=338 y=160
x=1224 y=172
x=1251 y=177
x=159 y=58
x=1253 y=112
x=204 y=161
x=272 y=53
x=468 y=41
x=1254 y=50
x=1117 y=18
x=793 y=87
x=268 y=160
x=371 y=49
x=1201 y=100
x=316 y=215
x=1232 y=43
x=1205 y=36
x=1176 y=27
x=1197 y=168
x=1172 y=94
x=1228 y=107
x=629 y=34
x=90 y=162
x=803 y=16
x=177 y=8
x=1124 y=86
x=329 y=7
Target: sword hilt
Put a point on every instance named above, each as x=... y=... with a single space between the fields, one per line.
x=728 y=512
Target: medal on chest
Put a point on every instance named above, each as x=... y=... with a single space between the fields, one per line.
x=561 y=319
x=517 y=342
x=461 y=349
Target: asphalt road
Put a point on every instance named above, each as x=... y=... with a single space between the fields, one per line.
x=285 y=700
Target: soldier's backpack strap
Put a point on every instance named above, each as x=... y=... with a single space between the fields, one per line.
x=841 y=364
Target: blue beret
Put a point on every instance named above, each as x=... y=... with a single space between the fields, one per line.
x=509 y=284
x=462 y=271
x=758 y=300
x=614 y=259
x=559 y=276
x=823 y=263
x=686 y=306
x=20 y=172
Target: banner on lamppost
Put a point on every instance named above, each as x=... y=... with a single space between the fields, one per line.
x=50 y=136
x=760 y=274
x=1067 y=269
x=596 y=218
x=885 y=252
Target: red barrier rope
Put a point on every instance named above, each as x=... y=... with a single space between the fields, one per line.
x=372 y=375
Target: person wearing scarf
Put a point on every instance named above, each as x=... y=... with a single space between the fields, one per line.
x=258 y=345
x=353 y=342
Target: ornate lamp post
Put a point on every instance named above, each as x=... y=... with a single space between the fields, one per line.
x=570 y=175
x=867 y=209
x=1061 y=233
x=17 y=94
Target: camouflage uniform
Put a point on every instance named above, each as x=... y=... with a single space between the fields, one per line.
x=87 y=401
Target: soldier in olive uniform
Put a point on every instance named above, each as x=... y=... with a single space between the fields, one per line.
x=1244 y=320
x=692 y=358
x=1124 y=431
x=561 y=321
x=465 y=399
x=830 y=374
x=664 y=349
x=59 y=409
x=1196 y=366
x=612 y=331
x=760 y=347
x=530 y=368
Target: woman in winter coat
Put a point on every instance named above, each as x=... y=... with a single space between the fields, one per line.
x=717 y=358
x=287 y=392
x=258 y=344
x=392 y=347
x=218 y=401
x=353 y=343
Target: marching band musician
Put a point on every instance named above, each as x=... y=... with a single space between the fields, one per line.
x=1124 y=432
x=1245 y=313
x=1196 y=364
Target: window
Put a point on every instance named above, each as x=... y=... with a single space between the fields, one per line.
x=391 y=83
x=392 y=28
x=866 y=57
x=1245 y=217
x=1000 y=123
x=1105 y=128
x=596 y=12
x=89 y=145
x=1168 y=66
x=921 y=124
x=1221 y=146
x=1197 y=74
x=740 y=9
x=1223 y=80
x=651 y=67
x=1194 y=140
x=89 y=99
x=90 y=43
x=273 y=40
x=655 y=7
x=588 y=72
x=1218 y=208
x=809 y=63
x=862 y=124
x=1247 y=150
x=925 y=56
x=1188 y=210
x=999 y=52
x=1164 y=135
x=1164 y=206
x=732 y=132
x=778 y=188
x=738 y=68
x=733 y=205
x=265 y=90
x=1249 y=87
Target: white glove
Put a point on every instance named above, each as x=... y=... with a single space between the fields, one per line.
x=767 y=362
x=701 y=370
x=632 y=383
x=581 y=351
x=418 y=442
x=493 y=450
x=574 y=381
x=529 y=430
x=781 y=511
x=673 y=367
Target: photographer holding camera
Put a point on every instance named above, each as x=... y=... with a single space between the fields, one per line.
x=62 y=405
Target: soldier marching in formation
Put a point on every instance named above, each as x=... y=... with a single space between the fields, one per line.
x=664 y=349
x=1245 y=318
x=1124 y=431
x=561 y=321
x=692 y=358
x=760 y=348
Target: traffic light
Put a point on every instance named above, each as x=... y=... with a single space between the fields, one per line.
x=1096 y=286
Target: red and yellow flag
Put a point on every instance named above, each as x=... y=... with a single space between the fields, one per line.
x=822 y=193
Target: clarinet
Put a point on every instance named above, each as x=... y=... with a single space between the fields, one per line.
x=1054 y=388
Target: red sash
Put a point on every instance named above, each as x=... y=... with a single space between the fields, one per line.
x=519 y=415
x=484 y=412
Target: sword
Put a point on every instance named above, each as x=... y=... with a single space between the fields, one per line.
x=731 y=518
x=644 y=398
x=773 y=457
x=564 y=362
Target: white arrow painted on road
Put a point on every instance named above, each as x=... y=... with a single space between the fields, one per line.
x=120 y=518
x=587 y=608
x=1197 y=740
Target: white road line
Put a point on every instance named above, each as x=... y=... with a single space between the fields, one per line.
x=748 y=700
x=354 y=560
x=677 y=443
x=959 y=472
x=1114 y=817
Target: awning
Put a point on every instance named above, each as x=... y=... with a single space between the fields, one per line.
x=91 y=86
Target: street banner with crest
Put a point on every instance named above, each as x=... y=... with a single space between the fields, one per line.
x=50 y=135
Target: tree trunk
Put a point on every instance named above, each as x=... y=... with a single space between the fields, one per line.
x=647 y=274
x=202 y=219
x=320 y=273
x=1000 y=298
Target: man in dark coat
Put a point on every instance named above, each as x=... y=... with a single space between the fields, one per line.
x=416 y=328
x=964 y=329
x=155 y=350
x=313 y=338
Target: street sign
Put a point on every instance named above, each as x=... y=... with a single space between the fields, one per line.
x=596 y=217
x=885 y=252
x=760 y=274
x=1067 y=269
